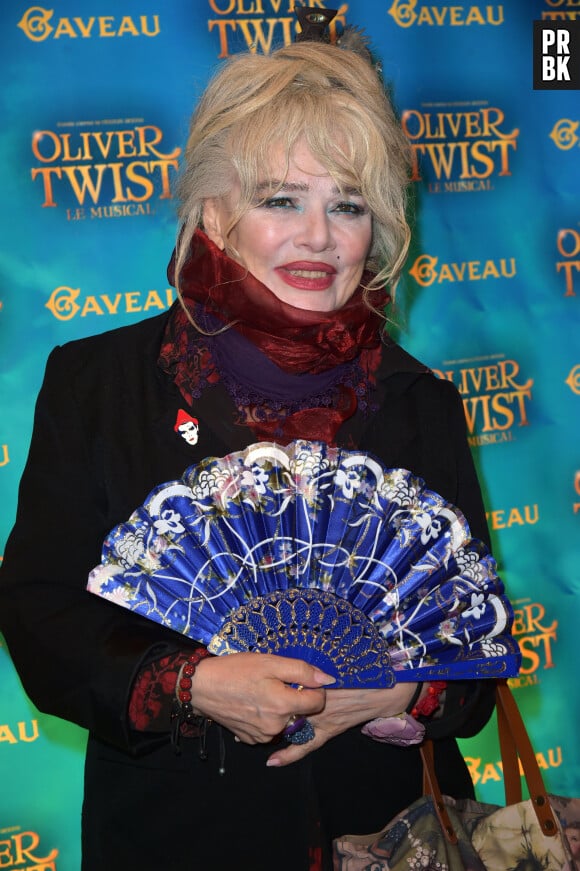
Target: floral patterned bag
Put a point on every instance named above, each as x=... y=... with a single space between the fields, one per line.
x=541 y=833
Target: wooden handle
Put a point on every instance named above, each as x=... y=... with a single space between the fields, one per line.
x=515 y=746
x=510 y=723
x=431 y=788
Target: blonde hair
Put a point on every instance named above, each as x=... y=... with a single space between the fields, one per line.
x=330 y=97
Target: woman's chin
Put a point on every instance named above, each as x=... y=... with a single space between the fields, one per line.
x=308 y=300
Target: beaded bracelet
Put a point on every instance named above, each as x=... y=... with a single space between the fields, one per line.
x=183 y=687
x=182 y=716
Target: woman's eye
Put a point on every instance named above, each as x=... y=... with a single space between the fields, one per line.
x=278 y=203
x=348 y=208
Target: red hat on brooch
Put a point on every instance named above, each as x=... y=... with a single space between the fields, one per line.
x=184 y=417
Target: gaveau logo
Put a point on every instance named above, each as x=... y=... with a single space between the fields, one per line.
x=21 y=732
x=573 y=380
x=564 y=134
x=66 y=303
x=427 y=270
x=411 y=13
x=39 y=24
x=485 y=772
x=506 y=518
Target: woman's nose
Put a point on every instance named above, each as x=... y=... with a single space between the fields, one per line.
x=315 y=231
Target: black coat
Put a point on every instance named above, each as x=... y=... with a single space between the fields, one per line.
x=103 y=438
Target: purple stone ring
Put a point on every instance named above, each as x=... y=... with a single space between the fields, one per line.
x=299 y=730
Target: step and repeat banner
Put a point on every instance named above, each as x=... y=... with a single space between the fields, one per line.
x=96 y=101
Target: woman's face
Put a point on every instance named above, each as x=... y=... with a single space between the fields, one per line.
x=573 y=836
x=307 y=242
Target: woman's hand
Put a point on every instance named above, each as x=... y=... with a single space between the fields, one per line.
x=250 y=693
x=344 y=709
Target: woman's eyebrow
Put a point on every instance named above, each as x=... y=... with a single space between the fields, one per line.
x=276 y=185
x=264 y=187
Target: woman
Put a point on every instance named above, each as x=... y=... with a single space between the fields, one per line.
x=572 y=833
x=292 y=223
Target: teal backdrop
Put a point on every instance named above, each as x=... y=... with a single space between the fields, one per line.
x=95 y=105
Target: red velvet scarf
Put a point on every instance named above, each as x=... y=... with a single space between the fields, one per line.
x=296 y=340
x=299 y=342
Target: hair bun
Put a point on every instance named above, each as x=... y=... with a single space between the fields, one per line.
x=355 y=39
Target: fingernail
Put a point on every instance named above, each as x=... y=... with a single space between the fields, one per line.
x=273 y=763
x=322 y=678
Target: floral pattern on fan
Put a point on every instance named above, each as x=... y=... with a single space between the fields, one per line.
x=382 y=572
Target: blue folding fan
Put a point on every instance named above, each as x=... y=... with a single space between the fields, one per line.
x=317 y=553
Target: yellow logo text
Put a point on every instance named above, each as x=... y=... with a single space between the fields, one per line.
x=37 y=24
x=573 y=380
x=20 y=850
x=409 y=13
x=427 y=270
x=505 y=518
x=264 y=32
x=125 y=164
x=568 y=243
x=561 y=10
x=535 y=638
x=484 y=772
x=459 y=150
x=19 y=734
x=65 y=303
x=564 y=134
x=494 y=399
